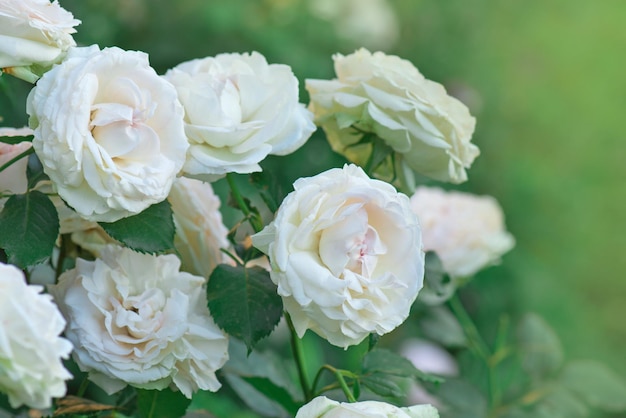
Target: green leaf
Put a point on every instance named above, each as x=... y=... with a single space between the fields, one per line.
x=255 y=400
x=34 y=171
x=244 y=302
x=274 y=392
x=461 y=399
x=380 y=151
x=560 y=403
x=266 y=364
x=438 y=287
x=382 y=384
x=541 y=350
x=440 y=325
x=269 y=188
x=15 y=139
x=388 y=362
x=29 y=226
x=596 y=384
x=161 y=403
x=151 y=231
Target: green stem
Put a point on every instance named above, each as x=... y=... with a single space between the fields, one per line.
x=255 y=222
x=14 y=159
x=298 y=354
x=480 y=348
x=83 y=388
x=341 y=381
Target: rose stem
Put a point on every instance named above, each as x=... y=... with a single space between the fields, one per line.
x=298 y=353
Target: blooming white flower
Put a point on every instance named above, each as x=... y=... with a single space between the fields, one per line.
x=322 y=407
x=136 y=319
x=466 y=231
x=346 y=254
x=384 y=95
x=34 y=32
x=108 y=131
x=31 y=370
x=238 y=109
x=200 y=232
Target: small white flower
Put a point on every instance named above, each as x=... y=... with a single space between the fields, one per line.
x=428 y=130
x=108 y=131
x=200 y=232
x=238 y=109
x=322 y=407
x=34 y=32
x=31 y=370
x=136 y=319
x=467 y=232
x=346 y=255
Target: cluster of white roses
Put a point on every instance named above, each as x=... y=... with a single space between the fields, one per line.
x=114 y=137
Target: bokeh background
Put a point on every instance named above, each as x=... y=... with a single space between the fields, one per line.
x=545 y=81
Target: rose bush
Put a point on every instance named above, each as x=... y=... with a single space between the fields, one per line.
x=34 y=32
x=346 y=254
x=108 y=131
x=466 y=231
x=136 y=319
x=238 y=109
x=200 y=232
x=322 y=407
x=428 y=131
x=31 y=369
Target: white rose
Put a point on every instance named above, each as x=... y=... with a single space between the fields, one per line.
x=322 y=407
x=238 y=109
x=200 y=232
x=136 y=319
x=346 y=255
x=384 y=95
x=34 y=32
x=31 y=350
x=467 y=232
x=108 y=131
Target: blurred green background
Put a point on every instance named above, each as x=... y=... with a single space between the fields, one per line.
x=545 y=81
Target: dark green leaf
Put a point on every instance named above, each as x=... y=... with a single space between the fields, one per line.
x=382 y=384
x=15 y=139
x=34 y=171
x=596 y=384
x=29 y=226
x=372 y=341
x=151 y=231
x=244 y=302
x=274 y=392
x=388 y=362
x=161 y=403
x=540 y=347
